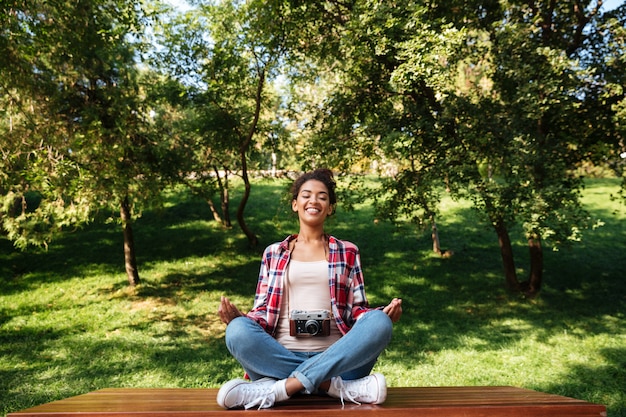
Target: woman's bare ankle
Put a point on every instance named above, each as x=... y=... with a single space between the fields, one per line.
x=293 y=385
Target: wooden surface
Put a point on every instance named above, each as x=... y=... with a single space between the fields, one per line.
x=407 y=402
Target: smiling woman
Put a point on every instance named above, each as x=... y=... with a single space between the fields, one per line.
x=299 y=336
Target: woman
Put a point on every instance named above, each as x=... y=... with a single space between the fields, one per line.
x=311 y=329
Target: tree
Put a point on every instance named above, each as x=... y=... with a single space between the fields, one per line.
x=605 y=95
x=471 y=96
x=81 y=56
x=225 y=53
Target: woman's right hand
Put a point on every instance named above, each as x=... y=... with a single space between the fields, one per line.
x=227 y=310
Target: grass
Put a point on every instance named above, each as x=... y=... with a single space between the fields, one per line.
x=69 y=324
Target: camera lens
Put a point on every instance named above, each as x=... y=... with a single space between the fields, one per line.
x=312 y=327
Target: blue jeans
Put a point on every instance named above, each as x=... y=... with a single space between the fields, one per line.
x=353 y=356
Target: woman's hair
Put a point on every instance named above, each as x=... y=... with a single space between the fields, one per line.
x=321 y=174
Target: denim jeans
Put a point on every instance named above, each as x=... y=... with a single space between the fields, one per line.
x=353 y=356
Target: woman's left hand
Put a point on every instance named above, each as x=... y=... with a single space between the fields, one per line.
x=394 y=309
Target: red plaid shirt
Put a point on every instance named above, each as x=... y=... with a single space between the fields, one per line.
x=345 y=282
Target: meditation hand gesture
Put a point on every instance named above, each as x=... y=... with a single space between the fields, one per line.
x=227 y=311
x=394 y=309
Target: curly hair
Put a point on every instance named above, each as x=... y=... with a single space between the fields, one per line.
x=321 y=174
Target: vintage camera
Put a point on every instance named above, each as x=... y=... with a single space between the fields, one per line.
x=309 y=323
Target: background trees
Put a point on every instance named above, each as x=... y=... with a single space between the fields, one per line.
x=480 y=99
x=74 y=82
x=504 y=102
x=224 y=55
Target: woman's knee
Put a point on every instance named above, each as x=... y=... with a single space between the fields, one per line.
x=238 y=331
x=379 y=323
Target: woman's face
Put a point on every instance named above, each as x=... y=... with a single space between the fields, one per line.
x=312 y=203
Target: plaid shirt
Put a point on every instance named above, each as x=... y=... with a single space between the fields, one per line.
x=345 y=282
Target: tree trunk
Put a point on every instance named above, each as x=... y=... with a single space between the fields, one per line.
x=435 y=236
x=214 y=212
x=130 y=260
x=506 y=251
x=532 y=287
x=252 y=238
x=224 y=197
x=225 y=201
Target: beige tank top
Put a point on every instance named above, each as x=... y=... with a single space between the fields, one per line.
x=306 y=288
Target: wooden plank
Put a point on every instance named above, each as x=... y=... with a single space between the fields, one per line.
x=401 y=402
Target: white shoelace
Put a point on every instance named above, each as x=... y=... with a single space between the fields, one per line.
x=343 y=391
x=265 y=400
x=262 y=396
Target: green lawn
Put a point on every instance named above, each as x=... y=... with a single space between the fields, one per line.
x=69 y=323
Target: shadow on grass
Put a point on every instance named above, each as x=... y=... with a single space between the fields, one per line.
x=468 y=288
x=224 y=280
x=600 y=384
x=160 y=236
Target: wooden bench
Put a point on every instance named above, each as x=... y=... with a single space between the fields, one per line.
x=401 y=402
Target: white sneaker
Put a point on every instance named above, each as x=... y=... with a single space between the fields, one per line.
x=239 y=393
x=371 y=389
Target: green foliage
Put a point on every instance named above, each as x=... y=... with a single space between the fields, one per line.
x=41 y=218
x=76 y=134
x=434 y=95
x=69 y=324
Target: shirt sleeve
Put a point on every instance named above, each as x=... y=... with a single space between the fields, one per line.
x=358 y=299
x=259 y=309
x=349 y=295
